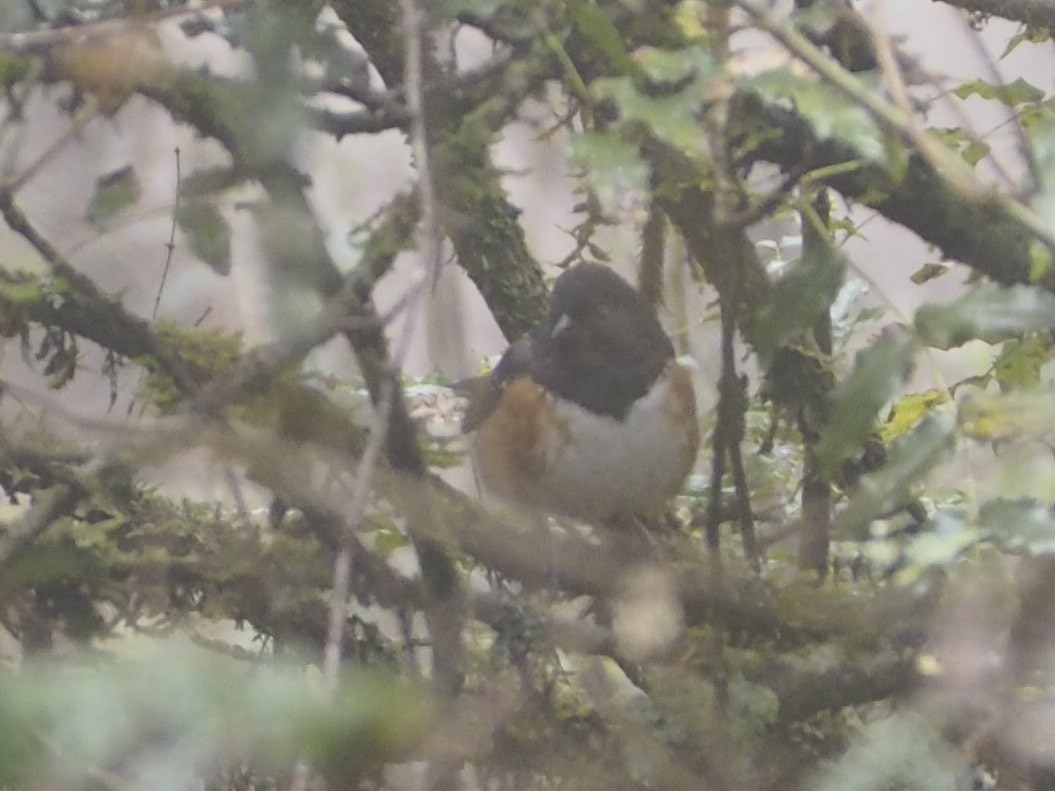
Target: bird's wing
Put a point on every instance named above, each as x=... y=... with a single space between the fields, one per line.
x=484 y=392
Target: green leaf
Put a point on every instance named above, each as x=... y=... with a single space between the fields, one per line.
x=879 y=371
x=967 y=145
x=22 y=290
x=114 y=192
x=1026 y=470
x=928 y=272
x=208 y=234
x=909 y=411
x=888 y=488
x=1011 y=94
x=673 y=113
x=672 y=118
x=974 y=152
x=1019 y=363
x=669 y=66
x=946 y=538
x=13 y=68
x=1036 y=117
x=1040 y=260
x=614 y=169
x=1043 y=202
x=388 y=537
x=598 y=29
x=831 y=115
x=1031 y=34
x=799 y=299
x=988 y=312
x=98 y=534
x=1019 y=525
x=989 y=417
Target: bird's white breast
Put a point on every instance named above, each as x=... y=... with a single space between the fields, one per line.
x=598 y=466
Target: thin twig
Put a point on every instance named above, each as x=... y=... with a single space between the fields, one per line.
x=331 y=663
x=744 y=515
x=713 y=519
x=1025 y=148
x=342 y=570
x=368 y=463
x=815 y=539
x=892 y=75
x=891 y=71
x=170 y=245
x=413 y=79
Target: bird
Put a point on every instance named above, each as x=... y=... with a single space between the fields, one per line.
x=589 y=415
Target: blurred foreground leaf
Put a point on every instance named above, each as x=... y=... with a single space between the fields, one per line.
x=878 y=372
x=208 y=234
x=172 y=714
x=988 y=312
x=114 y=192
x=613 y=168
x=888 y=488
x=672 y=113
x=902 y=752
x=832 y=116
x=991 y=417
x=598 y=29
x=1010 y=94
x=799 y=298
x=909 y=411
x=1019 y=525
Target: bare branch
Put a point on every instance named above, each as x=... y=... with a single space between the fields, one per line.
x=413 y=83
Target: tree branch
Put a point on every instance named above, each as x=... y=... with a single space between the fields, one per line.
x=84 y=309
x=1035 y=13
x=979 y=234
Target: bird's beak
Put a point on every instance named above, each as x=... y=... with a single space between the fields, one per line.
x=562 y=323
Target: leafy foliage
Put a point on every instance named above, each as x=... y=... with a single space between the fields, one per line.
x=208 y=234
x=113 y=193
x=988 y=313
x=172 y=712
x=852 y=592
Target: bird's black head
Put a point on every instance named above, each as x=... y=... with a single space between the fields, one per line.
x=602 y=345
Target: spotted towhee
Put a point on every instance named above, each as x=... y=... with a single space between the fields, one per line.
x=589 y=415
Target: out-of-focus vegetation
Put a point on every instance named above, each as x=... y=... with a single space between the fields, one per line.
x=855 y=590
